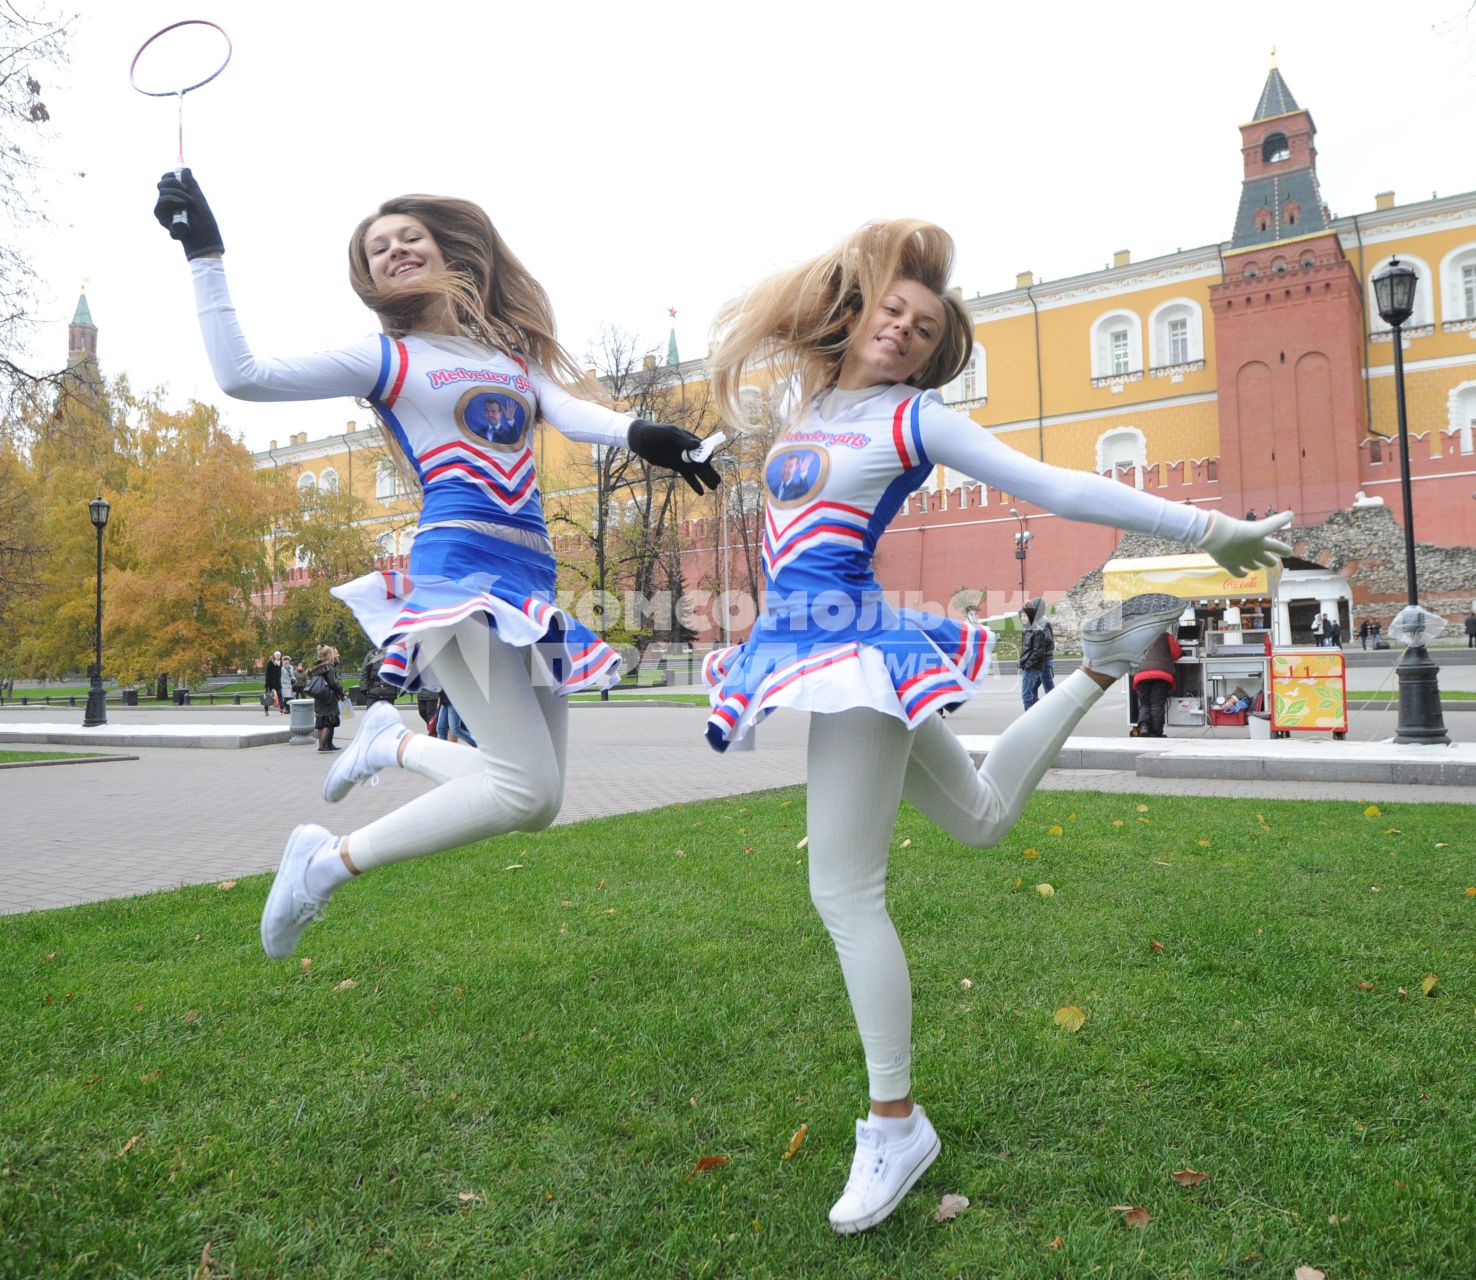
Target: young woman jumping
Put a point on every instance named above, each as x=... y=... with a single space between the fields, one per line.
x=466 y=364
x=865 y=334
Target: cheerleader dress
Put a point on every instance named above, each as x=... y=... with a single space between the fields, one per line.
x=463 y=414
x=827 y=640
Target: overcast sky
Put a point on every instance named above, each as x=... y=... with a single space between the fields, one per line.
x=639 y=156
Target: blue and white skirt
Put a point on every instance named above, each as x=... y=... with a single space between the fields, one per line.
x=908 y=665
x=457 y=574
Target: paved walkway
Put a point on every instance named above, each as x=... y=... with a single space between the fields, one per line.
x=180 y=816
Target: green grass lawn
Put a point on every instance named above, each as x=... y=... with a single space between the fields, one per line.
x=1392 y=695
x=644 y=695
x=20 y=757
x=543 y=1035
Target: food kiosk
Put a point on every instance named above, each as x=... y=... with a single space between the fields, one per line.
x=1224 y=630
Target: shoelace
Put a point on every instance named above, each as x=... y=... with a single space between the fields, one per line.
x=865 y=1166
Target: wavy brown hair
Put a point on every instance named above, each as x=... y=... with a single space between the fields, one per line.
x=801 y=322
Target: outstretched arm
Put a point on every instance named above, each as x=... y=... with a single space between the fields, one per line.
x=959 y=443
x=352 y=371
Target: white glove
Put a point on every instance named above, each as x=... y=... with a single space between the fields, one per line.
x=1243 y=546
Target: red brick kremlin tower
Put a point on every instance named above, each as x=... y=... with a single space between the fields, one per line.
x=1288 y=326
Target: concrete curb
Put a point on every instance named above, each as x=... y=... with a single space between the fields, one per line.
x=158 y=735
x=41 y=764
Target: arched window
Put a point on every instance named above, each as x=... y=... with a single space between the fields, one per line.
x=1117 y=345
x=1121 y=449
x=1463 y=415
x=971 y=384
x=328 y=481
x=386 y=480
x=386 y=543
x=1263 y=219
x=1424 y=305
x=307 y=482
x=1175 y=333
x=1458 y=285
x=1275 y=149
x=1251 y=271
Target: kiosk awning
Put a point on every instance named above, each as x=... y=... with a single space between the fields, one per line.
x=1190 y=577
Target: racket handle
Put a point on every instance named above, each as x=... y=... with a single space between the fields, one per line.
x=179 y=225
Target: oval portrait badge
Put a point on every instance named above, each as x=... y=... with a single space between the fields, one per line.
x=794 y=473
x=497 y=417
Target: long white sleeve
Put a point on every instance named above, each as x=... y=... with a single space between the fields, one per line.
x=351 y=371
x=578 y=419
x=960 y=444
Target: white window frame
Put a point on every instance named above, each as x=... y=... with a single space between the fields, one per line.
x=386 y=481
x=1161 y=317
x=1456 y=300
x=972 y=382
x=1102 y=330
x=1462 y=414
x=307 y=481
x=1137 y=447
x=385 y=551
x=328 y=481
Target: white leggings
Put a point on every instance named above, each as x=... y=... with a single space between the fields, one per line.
x=861 y=763
x=512 y=780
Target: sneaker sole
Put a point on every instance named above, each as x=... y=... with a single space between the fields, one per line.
x=280 y=887
x=1131 y=614
x=877 y=1215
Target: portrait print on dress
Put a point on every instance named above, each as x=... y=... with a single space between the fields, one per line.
x=794 y=472
x=496 y=417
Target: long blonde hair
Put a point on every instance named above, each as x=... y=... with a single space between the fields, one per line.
x=493 y=297
x=802 y=322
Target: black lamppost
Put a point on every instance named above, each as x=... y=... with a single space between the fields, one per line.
x=1022 y=545
x=97 y=709
x=1419 y=690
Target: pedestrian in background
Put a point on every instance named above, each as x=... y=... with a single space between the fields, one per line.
x=274 y=682
x=1037 y=653
x=1153 y=681
x=1471 y=630
x=325 y=689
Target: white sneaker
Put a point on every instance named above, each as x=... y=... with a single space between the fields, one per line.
x=290 y=908
x=1118 y=637
x=882 y=1173
x=354 y=765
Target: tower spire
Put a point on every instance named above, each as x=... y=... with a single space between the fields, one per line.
x=671 y=347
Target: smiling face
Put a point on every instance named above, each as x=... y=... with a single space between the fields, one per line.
x=896 y=340
x=398 y=247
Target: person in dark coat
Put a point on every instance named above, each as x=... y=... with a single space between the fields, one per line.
x=326 y=690
x=1037 y=653
x=1363 y=633
x=1471 y=630
x=274 y=682
x=375 y=687
x=1153 y=679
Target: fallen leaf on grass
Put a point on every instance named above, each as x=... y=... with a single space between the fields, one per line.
x=1392 y=831
x=1031 y=853
x=225 y=886
x=794 y=1142
x=1373 y=811
x=1363 y=986
x=192 y=1015
x=1333 y=1219
x=704 y=1163
x=149 y=1077
x=202 y=1272
x=1155 y=946
x=1140 y=808
x=348 y=984
x=1471 y=891
x=1308 y=1273
x=513 y=866
x=1056 y=830
x=804 y=840
x=128 y=1146
x=1069 y=1017
x=1203 y=843
x=305 y=964
x=599 y=886
x=1046 y=890
x=1117 y=822
x=1428 y=984
x=468 y=1197
x=51 y=955
x=1134 y=1215
x=950 y=1207
x=1189 y=1177
x=907 y=843
x=1055 y=1244
x=966 y=983
x=1403 y=994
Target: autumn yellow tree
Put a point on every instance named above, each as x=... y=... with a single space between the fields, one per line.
x=193 y=522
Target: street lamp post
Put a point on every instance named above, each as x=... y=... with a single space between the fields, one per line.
x=97 y=709
x=1022 y=545
x=1420 y=719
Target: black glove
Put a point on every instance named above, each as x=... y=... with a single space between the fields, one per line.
x=663 y=445
x=199 y=235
